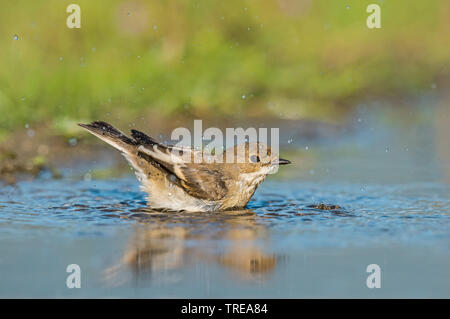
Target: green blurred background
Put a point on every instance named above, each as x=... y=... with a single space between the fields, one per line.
x=304 y=59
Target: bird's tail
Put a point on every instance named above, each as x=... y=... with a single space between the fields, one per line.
x=111 y=135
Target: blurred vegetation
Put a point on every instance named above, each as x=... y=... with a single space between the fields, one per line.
x=294 y=59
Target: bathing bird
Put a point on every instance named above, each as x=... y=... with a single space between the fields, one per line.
x=185 y=179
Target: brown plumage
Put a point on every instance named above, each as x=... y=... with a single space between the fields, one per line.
x=175 y=181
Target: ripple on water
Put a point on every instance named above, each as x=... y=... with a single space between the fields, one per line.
x=337 y=211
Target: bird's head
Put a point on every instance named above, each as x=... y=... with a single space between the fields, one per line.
x=257 y=158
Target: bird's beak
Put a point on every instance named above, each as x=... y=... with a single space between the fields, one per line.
x=282 y=161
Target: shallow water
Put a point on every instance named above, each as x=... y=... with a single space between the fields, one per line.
x=387 y=202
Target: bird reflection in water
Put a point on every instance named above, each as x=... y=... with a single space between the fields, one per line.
x=163 y=243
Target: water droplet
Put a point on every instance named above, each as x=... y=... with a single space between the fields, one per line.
x=387 y=149
x=30 y=133
x=27 y=126
x=73 y=141
x=306 y=147
x=248 y=28
x=87 y=177
x=290 y=141
x=347 y=7
x=243 y=96
x=16 y=37
x=143 y=89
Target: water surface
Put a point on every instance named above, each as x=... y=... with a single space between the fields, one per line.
x=385 y=197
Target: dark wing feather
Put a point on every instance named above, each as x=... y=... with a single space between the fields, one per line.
x=142 y=138
x=107 y=131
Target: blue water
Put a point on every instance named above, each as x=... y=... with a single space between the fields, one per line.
x=386 y=192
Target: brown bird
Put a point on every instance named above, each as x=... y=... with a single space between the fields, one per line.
x=175 y=181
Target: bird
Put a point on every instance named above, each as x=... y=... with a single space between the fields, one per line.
x=175 y=181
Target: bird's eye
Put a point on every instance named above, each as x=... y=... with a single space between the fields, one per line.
x=254 y=159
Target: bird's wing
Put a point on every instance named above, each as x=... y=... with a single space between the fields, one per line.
x=201 y=180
